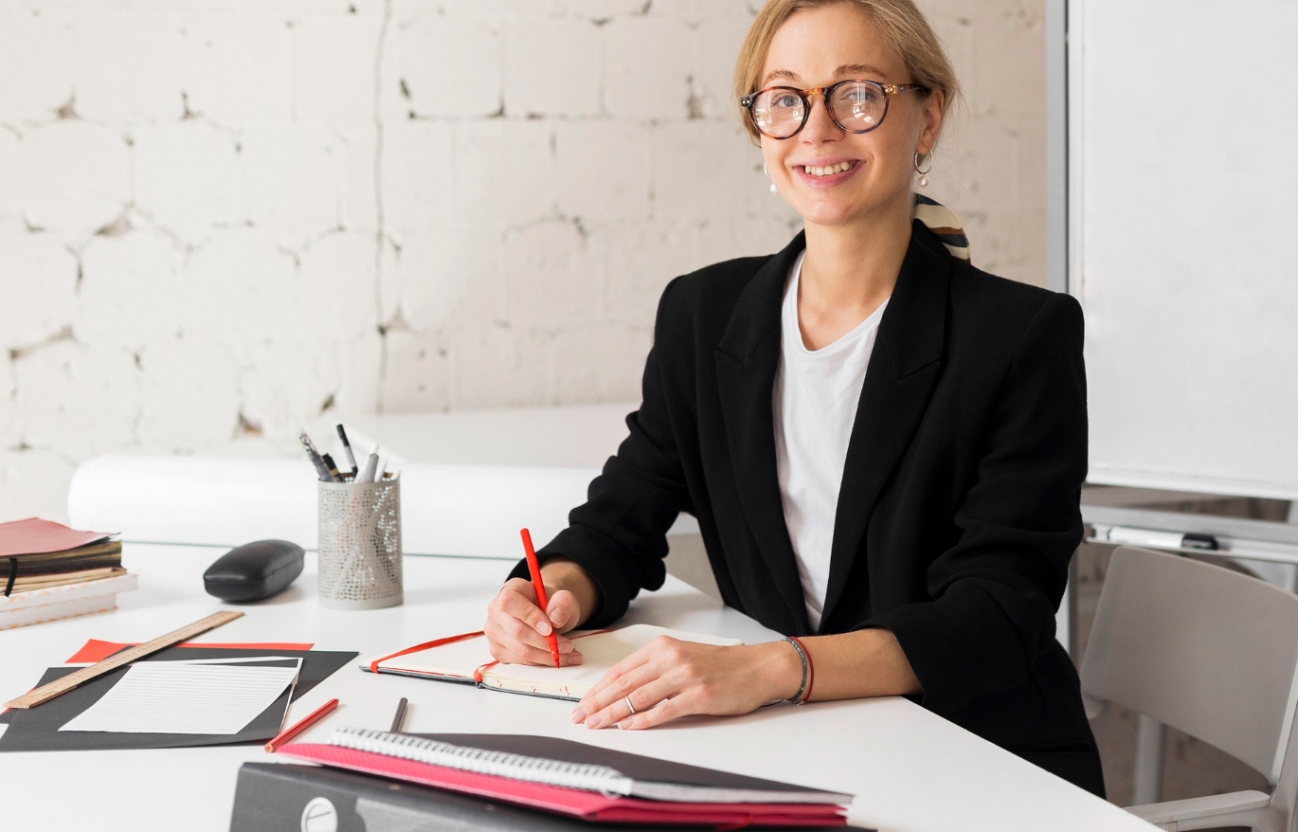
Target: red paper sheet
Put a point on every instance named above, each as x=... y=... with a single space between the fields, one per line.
x=590 y=806
x=34 y=536
x=95 y=650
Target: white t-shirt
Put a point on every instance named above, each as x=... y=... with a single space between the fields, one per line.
x=815 y=399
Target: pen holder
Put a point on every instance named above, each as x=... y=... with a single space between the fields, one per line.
x=360 y=544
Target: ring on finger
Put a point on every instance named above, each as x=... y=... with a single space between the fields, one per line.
x=627 y=700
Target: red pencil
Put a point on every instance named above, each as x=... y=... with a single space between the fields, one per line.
x=301 y=725
x=534 y=567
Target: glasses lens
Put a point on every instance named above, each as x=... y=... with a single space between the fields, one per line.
x=859 y=106
x=778 y=113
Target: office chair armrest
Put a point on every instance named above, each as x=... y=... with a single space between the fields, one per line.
x=1233 y=809
x=1094 y=705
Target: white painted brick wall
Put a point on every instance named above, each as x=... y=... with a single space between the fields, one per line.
x=187 y=175
x=225 y=219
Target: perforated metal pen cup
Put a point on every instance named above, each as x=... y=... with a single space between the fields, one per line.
x=360 y=544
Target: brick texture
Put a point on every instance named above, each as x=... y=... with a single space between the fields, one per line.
x=220 y=221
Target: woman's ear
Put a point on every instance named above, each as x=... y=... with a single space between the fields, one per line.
x=931 y=113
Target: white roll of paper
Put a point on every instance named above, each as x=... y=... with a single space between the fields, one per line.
x=473 y=510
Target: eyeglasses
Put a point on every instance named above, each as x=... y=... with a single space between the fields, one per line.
x=855 y=106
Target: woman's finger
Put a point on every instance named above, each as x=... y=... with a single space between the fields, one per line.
x=664 y=711
x=598 y=696
x=638 y=700
x=618 y=683
x=512 y=631
x=563 y=610
x=513 y=651
x=517 y=599
x=663 y=652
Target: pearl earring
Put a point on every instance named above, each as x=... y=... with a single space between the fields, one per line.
x=923 y=172
x=774 y=190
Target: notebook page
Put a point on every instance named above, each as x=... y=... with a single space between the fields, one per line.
x=599 y=653
x=187 y=697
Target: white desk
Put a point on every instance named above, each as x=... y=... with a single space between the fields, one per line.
x=909 y=769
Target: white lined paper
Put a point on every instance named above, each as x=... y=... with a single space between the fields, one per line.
x=187 y=697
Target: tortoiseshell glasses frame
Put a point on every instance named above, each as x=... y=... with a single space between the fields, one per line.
x=858 y=88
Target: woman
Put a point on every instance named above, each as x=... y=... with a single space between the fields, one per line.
x=884 y=447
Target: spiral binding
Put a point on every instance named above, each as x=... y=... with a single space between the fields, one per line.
x=587 y=777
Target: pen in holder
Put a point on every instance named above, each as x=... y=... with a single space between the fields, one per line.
x=360 y=544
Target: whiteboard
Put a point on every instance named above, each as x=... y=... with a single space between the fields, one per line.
x=1183 y=240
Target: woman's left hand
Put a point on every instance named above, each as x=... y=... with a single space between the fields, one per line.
x=669 y=678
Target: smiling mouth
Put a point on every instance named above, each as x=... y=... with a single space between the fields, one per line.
x=827 y=170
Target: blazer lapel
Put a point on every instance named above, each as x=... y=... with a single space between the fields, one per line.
x=746 y=360
x=903 y=371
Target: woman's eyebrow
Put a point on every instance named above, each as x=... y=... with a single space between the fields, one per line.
x=786 y=74
x=843 y=69
x=858 y=69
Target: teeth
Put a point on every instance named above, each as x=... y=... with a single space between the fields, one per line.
x=827 y=170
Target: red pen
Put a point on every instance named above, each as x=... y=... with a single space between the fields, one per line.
x=301 y=725
x=534 y=567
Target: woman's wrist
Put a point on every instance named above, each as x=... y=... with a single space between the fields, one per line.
x=782 y=669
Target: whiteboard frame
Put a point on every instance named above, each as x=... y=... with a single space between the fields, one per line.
x=1057 y=138
x=1073 y=119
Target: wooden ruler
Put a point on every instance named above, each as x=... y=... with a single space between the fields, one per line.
x=58 y=687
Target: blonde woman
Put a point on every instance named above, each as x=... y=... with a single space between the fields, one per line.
x=884 y=446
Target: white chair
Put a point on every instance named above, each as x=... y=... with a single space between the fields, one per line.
x=1212 y=653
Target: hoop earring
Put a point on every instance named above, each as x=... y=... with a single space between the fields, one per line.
x=923 y=172
x=774 y=190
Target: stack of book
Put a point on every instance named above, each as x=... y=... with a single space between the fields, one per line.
x=49 y=572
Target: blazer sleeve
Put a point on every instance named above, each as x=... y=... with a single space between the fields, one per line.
x=619 y=535
x=994 y=594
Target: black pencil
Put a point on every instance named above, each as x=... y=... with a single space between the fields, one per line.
x=399 y=717
x=347 y=451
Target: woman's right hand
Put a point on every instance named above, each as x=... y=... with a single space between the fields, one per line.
x=516 y=629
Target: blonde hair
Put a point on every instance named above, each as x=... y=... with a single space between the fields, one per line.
x=900 y=22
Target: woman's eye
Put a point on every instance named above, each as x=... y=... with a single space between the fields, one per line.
x=864 y=95
x=786 y=100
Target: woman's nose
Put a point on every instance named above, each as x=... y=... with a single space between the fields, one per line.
x=820 y=127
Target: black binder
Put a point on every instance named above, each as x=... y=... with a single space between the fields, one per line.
x=273 y=797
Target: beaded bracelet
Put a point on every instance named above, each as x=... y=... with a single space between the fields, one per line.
x=803 y=689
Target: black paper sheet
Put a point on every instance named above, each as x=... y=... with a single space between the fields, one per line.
x=37 y=729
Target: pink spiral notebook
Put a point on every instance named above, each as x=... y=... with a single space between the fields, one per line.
x=798 y=806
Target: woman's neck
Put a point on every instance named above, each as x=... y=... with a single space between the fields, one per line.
x=849 y=271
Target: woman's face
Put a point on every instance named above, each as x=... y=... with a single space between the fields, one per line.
x=818 y=47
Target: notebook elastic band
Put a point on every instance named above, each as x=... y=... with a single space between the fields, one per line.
x=13 y=576
x=374 y=665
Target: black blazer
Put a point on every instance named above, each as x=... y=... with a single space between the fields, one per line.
x=959 y=507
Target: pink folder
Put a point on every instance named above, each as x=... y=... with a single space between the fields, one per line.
x=590 y=806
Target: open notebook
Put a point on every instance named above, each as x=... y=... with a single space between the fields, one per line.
x=467 y=659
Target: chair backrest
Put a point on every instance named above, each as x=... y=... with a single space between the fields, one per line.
x=1203 y=649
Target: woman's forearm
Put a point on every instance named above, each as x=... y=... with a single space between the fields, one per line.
x=860 y=664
